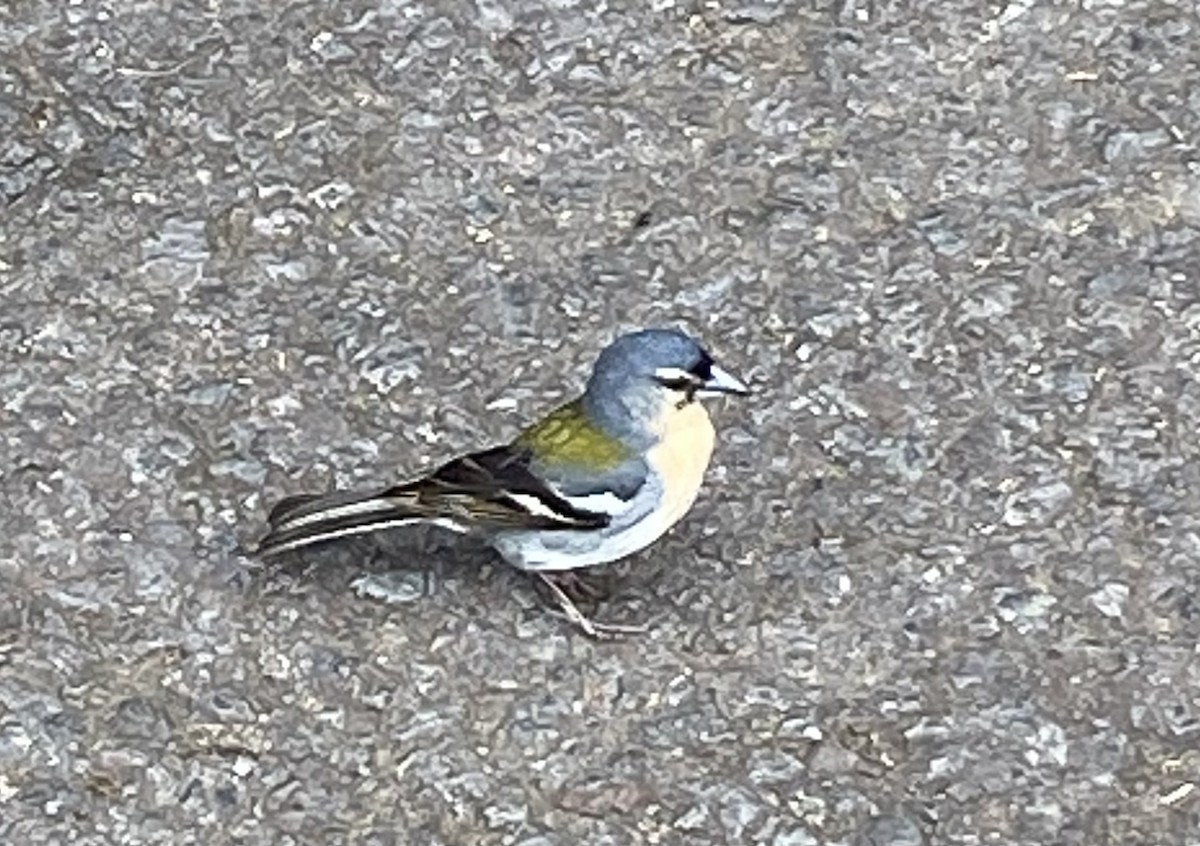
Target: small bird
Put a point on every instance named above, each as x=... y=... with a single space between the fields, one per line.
x=596 y=480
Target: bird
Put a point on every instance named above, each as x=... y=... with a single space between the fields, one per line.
x=596 y=480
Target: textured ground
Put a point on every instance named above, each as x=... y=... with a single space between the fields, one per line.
x=941 y=588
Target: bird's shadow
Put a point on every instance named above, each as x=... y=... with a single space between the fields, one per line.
x=438 y=558
x=422 y=564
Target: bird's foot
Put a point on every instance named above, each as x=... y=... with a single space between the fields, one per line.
x=570 y=611
x=575 y=586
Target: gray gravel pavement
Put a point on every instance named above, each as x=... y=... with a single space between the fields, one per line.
x=941 y=588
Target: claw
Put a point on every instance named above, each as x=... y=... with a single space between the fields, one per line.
x=576 y=587
x=570 y=611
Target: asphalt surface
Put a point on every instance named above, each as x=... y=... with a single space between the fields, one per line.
x=941 y=587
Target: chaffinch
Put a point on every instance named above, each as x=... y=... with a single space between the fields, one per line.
x=597 y=479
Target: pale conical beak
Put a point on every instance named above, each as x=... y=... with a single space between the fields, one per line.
x=722 y=382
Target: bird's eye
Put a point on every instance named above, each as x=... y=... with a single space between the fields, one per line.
x=676 y=383
x=702 y=370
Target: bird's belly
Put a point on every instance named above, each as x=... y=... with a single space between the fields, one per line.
x=568 y=550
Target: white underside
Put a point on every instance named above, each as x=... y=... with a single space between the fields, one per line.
x=634 y=528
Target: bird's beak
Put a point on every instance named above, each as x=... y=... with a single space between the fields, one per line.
x=722 y=382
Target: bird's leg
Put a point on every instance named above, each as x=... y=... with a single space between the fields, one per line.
x=588 y=626
x=576 y=587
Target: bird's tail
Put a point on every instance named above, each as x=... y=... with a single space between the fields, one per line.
x=489 y=490
x=307 y=519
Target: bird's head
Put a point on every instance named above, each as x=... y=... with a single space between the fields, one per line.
x=644 y=375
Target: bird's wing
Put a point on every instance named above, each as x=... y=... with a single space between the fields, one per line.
x=493 y=489
x=499 y=487
x=613 y=491
x=588 y=467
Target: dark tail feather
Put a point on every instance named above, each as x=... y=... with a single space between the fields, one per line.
x=293 y=508
x=308 y=519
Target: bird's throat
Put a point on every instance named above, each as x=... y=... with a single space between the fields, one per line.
x=681 y=456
